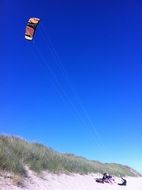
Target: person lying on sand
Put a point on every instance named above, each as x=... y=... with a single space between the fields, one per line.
x=105 y=179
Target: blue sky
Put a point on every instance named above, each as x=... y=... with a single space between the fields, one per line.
x=77 y=86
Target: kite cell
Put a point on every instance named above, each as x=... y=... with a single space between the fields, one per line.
x=31 y=28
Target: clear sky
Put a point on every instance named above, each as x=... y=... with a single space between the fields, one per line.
x=78 y=86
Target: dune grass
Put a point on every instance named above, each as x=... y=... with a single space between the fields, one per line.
x=16 y=153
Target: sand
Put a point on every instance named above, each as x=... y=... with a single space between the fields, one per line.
x=49 y=181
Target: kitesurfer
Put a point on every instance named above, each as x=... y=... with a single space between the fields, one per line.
x=124 y=182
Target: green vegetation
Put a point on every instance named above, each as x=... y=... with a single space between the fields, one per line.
x=16 y=153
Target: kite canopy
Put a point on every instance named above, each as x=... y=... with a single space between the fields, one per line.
x=31 y=27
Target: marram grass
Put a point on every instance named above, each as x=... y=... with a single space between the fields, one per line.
x=16 y=153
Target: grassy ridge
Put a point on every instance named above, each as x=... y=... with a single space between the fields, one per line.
x=15 y=153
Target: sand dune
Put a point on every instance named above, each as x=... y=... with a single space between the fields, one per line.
x=48 y=181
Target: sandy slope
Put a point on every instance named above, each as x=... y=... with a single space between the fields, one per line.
x=48 y=181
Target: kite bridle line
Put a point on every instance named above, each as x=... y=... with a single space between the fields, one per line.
x=79 y=112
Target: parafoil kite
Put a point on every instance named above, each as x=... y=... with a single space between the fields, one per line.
x=31 y=27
